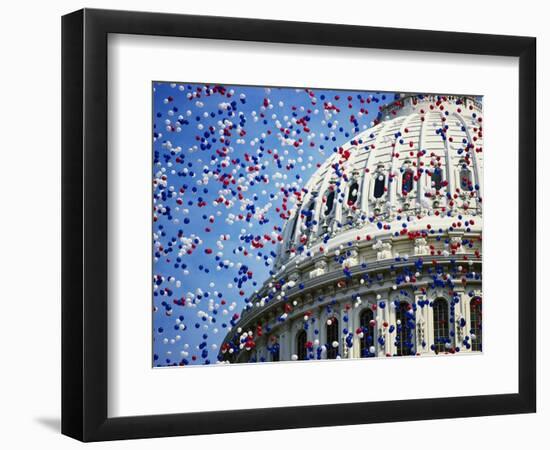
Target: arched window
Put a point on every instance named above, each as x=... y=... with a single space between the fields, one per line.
x=301 y=341
x=309 y=214
x=368 y=333
x=437 y=178
x=276 y=352
x=379 y=185
x=353 y=193
x=441 y=324
x=332 y=336
x=407 y=182
x=466 y=179
x=293 y=230
x=329 y=205
x=475 y=323
x=404 y=337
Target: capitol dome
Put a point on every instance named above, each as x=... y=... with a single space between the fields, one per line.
x=381 y=255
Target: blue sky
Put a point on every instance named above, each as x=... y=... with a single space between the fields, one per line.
x=225 y=159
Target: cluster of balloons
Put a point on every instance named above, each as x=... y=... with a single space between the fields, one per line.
x=230 y=164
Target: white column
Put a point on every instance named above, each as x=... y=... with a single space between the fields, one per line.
x=284 y=342
x=458 y=313
x=354 y=318
x=391 y=319
x=422 y=328
x=429 y=333
x=465 y=311
x=310 y=332
x=382 y=314
x=349 y=326
x=317 y=325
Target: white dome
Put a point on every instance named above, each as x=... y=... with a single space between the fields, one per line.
x=424 y=156
x=405 y=192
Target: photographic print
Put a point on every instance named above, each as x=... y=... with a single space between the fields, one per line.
x=306 y=224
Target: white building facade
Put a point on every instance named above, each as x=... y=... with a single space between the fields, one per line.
x=382 y=255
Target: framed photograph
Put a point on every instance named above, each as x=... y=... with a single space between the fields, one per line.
x=274 y=225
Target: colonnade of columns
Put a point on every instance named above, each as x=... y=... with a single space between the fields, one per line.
x=348 y=317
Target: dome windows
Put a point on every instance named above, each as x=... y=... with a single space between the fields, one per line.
x=407 y=182
x=465 y=179
x=378 y=190
x=329 y=210
x=465 y=176
x=332 y=337
x=475 y=323
x=379 y=184
x=437 y=178
x=407 y=178
x=404 y=339
x=441 y=325
x=353 y=193
x=329 y=204
x=275 y=351
x=301 y=345
x=292 y=234
x=367 y=341
x=308 y=213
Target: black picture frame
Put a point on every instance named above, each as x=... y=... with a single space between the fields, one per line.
x=84 y=224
